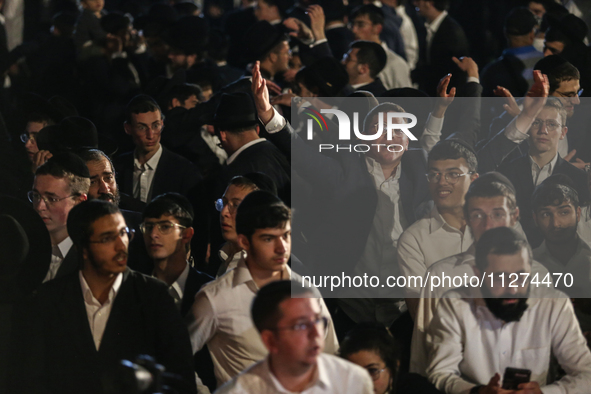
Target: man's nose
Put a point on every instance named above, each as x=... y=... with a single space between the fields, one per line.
x=104 y=187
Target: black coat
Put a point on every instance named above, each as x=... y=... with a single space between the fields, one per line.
x=519 y=173
x=173 y=174
x=58 y=354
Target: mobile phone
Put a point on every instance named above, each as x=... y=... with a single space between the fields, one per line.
x=513 y=377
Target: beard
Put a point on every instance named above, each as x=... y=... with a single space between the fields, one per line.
x=112 y=197
x=560 y=236
x=507 y=313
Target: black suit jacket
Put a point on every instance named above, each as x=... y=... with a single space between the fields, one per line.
x=519 y=173
x=449 y=41
x=376 y=87
x=57 y=351
x=173 y=174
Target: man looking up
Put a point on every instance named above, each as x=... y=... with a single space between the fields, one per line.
x=59 y=184
x=364 y=61
x=293 y=331
x=220 y=315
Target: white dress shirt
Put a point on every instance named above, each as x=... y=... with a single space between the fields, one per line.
x=579 y=266
x=396 y=73
x=584 y=227
x=177 y=289
x=242 y=148
x=220 y=317
x=334 y=375
x=228 y=262
x=143 y=176
x=409 y=36
x=98 y=315
x=453 y=266
x=470 y=344
x=538 y=174
x=58 y=253
x=427 y=241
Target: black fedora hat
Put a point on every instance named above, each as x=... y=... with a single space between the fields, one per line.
x=56 y=108
x=26 y=249
x=235 y=111
x=189 y=34
x=260 y=39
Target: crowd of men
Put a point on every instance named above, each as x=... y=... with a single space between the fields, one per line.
x=162 y=203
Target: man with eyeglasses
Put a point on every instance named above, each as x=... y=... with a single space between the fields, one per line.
x=83 y=324
x=542 y=161
x=452 y=166
x=59 y=184
x=151 y=169
x=291 y=325
x=220 y=316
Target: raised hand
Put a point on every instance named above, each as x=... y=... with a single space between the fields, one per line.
x=444 y=99
x=511 y=107
x=536 y=97
x=317 y=21
x=467 y=64
x=261 y=95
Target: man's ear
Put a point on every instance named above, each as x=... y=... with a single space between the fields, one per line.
x=564 y=131
x=473 y=177
x=258 y=129
x=82 y=197
x=128 y=128
x=578 y=214
x=243 y=242
x=378 y=29
x=363 y=69
x=223 y=136
x=188 y=234
x=268 y=338
x=176 y=103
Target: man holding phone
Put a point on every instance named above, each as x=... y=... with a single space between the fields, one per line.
x=479 y=333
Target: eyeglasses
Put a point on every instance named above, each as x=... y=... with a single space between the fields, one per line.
x=109 y=239
x=164 y=228
x=570 y=94
x=551 y=125
x=35 y=198
x=375 y=372
x=451 y=177
x=219 y=205
x=25 y=137
x=497 y=217
x=156 y=127
x=321 y=322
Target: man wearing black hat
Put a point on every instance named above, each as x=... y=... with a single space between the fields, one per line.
x=237 y=127
x=151 y=169
x=513 y=70
x=269 y=45
x=60 y=184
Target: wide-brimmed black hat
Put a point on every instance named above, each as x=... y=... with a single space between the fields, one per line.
x=26 y=249
x=328 y=75
x=56 y=108
x=74 y=133
x=260 y=39
x=235 y=111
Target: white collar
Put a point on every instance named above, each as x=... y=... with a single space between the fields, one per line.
x=321 y=379
x=434 y=26
x=181 y=281
x=552 y=162
x=87 y=293
x=65 y=246
x=242 y=148
x=152 y=163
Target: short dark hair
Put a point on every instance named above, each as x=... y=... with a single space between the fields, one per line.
x=372 y=54
x=183 y=91
x=255 y=181
x=482 y=187
x=374 y=337
x=375 y=14
x=553 y=194
x=95 y=155
x=265 y=310
x=499 y=241
x=452 y=150
x=82 y=216
x=564 y=72
x=258 y=210
x=39 y=117
x=441 y=5
x=141 y=104
x=171 y=204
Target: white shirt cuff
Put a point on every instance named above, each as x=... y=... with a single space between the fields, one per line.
x=513 y=134
x=277 y=123
x=318 y=42
x=473 y=79
x=433 y=125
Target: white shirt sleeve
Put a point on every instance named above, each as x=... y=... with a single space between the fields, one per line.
x=411 y=260
x=201 y=321
x=446 y=351
x=513 y=133
x=431 y=133
x=570 y=348
x=277 y=123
